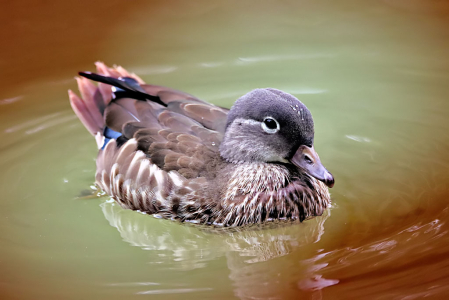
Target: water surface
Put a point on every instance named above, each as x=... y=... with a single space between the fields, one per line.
x=375 y=75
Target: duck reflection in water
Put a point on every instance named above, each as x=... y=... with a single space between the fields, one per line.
x=252 y=253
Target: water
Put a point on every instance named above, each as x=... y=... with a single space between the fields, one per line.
x=373 y=73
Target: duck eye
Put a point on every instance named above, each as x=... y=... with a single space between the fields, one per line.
x=308 y=159
x=270 y=125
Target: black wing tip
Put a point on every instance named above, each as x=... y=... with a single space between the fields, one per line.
x=127 y=84
x=84 y=74
x=93 y=76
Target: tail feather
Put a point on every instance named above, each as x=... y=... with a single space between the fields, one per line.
x=94 y=98
x=127 y=84
x=82 y=110
x=90 y=96
x=117 y=71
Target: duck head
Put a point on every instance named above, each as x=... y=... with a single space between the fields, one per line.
x=268 y=125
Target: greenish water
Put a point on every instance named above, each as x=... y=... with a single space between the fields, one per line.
x=375 y=75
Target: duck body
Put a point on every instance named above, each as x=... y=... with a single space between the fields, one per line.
x=168 y=153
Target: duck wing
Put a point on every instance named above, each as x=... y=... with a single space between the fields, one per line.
x=208 y=115
x=156 y=144
x=174 y=130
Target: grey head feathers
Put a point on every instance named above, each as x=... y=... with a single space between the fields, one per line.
x=251 y=134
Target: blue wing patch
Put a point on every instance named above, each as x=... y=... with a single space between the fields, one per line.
x=110 y=134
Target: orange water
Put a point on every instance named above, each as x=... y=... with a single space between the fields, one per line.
x=375 y=75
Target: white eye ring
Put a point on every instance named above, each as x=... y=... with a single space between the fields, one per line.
x=265 y=127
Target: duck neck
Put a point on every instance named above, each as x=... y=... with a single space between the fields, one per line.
x=259 y=192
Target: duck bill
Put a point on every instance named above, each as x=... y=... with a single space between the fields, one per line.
x=307 y=159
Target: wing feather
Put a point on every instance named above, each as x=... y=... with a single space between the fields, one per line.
x=170 y=138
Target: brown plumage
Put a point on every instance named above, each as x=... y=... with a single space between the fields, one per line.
x=166 y=152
